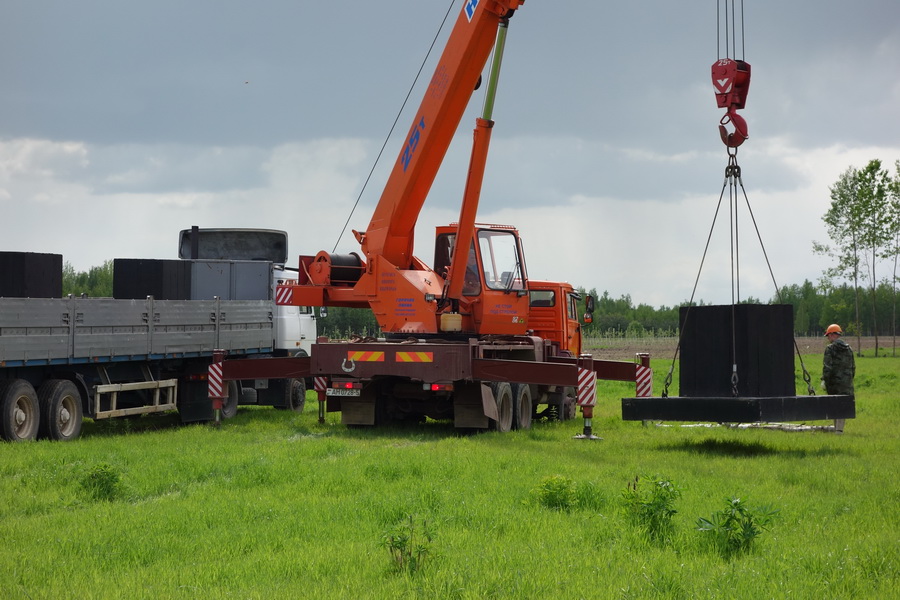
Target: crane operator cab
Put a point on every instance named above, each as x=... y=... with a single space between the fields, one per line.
x=494 y=293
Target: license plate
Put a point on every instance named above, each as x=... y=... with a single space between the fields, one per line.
x=341 y=392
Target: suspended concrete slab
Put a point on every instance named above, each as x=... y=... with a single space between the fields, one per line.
x=739 y=410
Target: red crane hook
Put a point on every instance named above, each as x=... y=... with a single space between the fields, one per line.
x=731 y=80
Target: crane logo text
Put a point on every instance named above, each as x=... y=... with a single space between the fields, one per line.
x=470 y=7
x=411 y=144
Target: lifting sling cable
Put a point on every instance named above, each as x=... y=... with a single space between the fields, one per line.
x=731 y=80
x=732 y=176
x=694 y=290
x=394 y=125
x=734 y=98
x=733 y=180
x=806 y=376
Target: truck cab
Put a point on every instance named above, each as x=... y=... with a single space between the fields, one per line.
x=553 y=315
x=295 y=326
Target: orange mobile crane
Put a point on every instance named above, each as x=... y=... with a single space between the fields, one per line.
x=472 y=339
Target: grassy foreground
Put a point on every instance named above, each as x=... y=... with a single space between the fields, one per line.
x=274 y=505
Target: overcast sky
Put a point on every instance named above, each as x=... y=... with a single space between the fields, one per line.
x=122 y=123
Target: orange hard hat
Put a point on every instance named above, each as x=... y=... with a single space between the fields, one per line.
x=834 y=328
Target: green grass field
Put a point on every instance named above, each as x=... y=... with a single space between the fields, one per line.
x=275 y=505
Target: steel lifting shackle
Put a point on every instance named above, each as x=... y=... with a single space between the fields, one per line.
x=731 y=80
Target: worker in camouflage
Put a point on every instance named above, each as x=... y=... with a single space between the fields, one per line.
x=838 y=368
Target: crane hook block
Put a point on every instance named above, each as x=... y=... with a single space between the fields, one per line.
x=731 y=80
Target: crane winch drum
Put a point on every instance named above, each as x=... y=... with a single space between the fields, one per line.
x=336 y=269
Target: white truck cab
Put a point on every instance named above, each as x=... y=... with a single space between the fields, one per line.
x=295 y=326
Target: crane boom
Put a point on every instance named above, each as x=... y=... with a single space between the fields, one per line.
x=390 y=233
x=478 y=283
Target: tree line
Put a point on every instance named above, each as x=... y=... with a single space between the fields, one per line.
x=815 y=307
x=859 y=290
x=96 y=282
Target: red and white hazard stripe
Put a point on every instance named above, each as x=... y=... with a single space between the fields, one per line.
x=284 y=294
x=587 y=387
x=215 y=381
x=320 y=383
x=643 y=381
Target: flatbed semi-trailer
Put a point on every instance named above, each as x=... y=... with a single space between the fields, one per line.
x=64 y=358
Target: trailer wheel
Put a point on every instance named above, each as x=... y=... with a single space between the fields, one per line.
x=504 y=398
x=19 y=412
x=230 y=403
x=522 y=406
x=295 y=394
x=60 y=410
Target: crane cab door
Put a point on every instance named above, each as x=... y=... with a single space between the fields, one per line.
x=495 y=293
x=503 y=309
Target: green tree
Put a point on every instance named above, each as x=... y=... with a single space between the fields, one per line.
x=894 y=247
x=807 y=303
x=97 y=282
x=874 y=196
x=859 y=225
x=842 y=223
x=344 y=322
x=839 y=308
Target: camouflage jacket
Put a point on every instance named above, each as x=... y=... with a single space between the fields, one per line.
x=838 y=368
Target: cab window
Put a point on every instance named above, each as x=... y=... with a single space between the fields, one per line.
x=542 y=298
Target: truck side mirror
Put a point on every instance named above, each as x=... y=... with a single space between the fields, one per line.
x=589 y=303
x=588 y=317
x=323 y=312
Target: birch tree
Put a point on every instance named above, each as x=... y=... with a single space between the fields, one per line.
x=861 y=226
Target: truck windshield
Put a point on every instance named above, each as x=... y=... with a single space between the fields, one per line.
x=500 y=260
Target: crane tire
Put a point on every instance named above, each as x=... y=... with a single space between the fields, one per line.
x=523 y=408
x=230 y=403
x=504 y=397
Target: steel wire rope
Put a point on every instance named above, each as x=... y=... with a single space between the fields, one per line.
x=732 y=179
x=806 y=376
x=729 y=26
x=731 y=172
x=687 y=313
x=733 y=32
x=394 y=124
x=743 y=37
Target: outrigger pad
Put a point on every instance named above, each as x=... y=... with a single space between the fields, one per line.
x=775 y=409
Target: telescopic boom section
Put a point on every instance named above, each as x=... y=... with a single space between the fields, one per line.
x=390 y=234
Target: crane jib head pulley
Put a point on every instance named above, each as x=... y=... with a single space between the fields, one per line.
x=731 y=80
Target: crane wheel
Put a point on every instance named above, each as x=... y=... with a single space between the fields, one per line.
x=230 y=404
x=523 y=408
x=504 y=397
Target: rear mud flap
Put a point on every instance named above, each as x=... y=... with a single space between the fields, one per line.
x=488 y=403
x=473 y=405
x=361 y=410
x=357 y=413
